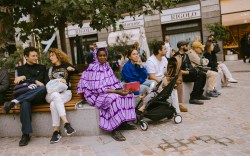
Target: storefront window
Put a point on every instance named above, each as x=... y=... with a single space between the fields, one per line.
x=80 y=48
x=233 y=44
x=186 y=31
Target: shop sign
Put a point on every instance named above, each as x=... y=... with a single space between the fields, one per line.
x=80 y=31
x=180 y=14
x=184 y=15
x=130 y=22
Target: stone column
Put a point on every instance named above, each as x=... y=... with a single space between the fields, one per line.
x=152 y=26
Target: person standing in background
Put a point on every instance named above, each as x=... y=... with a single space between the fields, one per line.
x=168 y=46
x=90 y=57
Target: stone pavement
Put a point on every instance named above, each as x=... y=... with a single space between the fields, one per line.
x=220 y=127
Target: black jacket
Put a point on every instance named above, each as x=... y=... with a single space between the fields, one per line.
x=186 y=63
x=32 y=72
x=212 y=60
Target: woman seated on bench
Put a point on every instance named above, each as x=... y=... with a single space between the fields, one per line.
x=218 y=66
x=61 y=70
x=102 y=89
x=133 y=71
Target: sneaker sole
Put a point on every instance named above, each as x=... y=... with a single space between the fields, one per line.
x=68 y=134
x=52 y=142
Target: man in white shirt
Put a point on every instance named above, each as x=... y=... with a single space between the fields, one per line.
x=156 y=66
x=167 y=44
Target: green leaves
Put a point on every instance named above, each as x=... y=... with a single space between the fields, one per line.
x=220 y=32
x=45 y=15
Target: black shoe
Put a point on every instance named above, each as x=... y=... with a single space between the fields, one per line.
x=244 y=60
x=7 y=107
x=24 y=140
x=203 y=97
x=126 y=126
x=68 y=129
x=55 y=137
x=196 y=102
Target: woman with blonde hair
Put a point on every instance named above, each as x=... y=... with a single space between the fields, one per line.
x=61 y=70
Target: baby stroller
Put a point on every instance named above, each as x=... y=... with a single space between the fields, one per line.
x=158 y=107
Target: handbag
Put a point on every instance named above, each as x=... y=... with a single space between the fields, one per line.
x=203 y=69
x=55 y=85
x=21 y=89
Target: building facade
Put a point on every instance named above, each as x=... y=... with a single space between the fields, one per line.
x=236 y=17
x=182 y=22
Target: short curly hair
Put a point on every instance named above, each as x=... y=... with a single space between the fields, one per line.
x=63 y=57
x=26 y=51
x=158 y=46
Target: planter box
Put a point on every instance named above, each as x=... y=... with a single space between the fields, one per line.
x=232 y=57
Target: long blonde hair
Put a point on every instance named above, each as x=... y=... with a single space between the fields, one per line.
x=63 y=57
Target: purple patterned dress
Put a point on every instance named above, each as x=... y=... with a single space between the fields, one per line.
x=114 y=109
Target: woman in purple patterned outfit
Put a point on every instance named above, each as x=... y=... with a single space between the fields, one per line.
x=102 y=89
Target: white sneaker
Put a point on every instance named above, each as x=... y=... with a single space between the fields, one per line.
x=232 y=80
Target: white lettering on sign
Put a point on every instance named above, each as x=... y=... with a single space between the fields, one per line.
x=131 y=24
x=74 y=30
x=181 y=13
x=85 y=31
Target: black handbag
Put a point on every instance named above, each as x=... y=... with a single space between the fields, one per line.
x=20 y=89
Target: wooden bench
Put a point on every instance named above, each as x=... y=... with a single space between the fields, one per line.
x=46 y=107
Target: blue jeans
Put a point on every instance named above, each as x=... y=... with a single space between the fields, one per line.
x=146 y=86
x=31 y=97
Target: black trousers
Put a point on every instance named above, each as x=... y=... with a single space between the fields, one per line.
x=199 y=84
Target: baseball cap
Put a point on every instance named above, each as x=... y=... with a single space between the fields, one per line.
x=198 y=45
x=181 y=43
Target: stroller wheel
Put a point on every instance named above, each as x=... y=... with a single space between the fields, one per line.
x=143 y=125
x=177 y=119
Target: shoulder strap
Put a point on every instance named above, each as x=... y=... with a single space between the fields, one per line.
x=50 y=72
x=184 y=57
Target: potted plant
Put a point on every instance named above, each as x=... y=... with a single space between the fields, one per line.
x=220 y=32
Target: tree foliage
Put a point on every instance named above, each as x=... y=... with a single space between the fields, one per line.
x=220 y=32
x=46 y=15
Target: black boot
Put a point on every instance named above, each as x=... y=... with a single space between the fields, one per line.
x=24 y=140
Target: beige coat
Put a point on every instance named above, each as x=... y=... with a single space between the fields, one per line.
x=195 y=58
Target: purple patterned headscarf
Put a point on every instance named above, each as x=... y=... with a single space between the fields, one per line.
x=97 y=78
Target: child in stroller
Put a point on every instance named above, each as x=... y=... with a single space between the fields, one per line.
x=155 y=105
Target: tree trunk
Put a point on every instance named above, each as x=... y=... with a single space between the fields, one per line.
x=61 y=30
